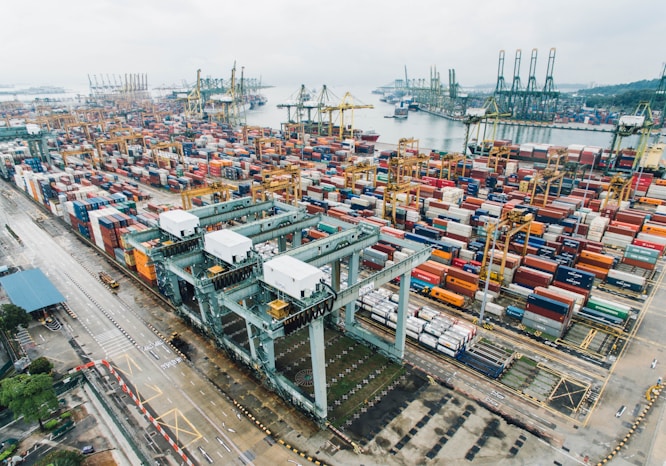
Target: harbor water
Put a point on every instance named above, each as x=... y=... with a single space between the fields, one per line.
x=433 y=132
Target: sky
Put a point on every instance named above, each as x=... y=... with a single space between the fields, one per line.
x=338 y=43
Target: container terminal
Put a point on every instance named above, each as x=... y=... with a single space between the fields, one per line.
x=419 y=305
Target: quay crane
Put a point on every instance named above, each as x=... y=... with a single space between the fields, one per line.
x=639 y=123
x=474 y=117
x=347 y=103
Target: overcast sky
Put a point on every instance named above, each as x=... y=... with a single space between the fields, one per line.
x=339 y=43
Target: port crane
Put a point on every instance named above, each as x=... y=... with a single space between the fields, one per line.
x=489 y=112
x=65 y=154
x=361 y=170
x=346 y=104
x=639 y=123
x=285 y=180
x=512 y=223
x=221 y=192
x=167 y=151
x=619 y=188
x=542 y=183
x=404 y=167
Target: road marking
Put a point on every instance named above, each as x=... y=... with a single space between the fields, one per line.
x=213 y=403
x=205 y=439
x=221 y=455
x=192 y=382
x=169 y=400
x=201 y=391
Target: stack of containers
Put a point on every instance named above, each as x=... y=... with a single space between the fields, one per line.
x=574 y=280
x=461 y=282
x=626 y=281
x=596 y=263
x=597 y=228
x=642 y=257
x=531 y=278
x=144 y=267
x=610 y=308
x=374 y=259
x=547 y=314
x=620 y=234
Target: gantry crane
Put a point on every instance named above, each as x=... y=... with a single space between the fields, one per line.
x=639 y=123
x=404 y=167
x=545 y=179
x=221 y=193
x=512 y=223
x=619 y=189
x=194 y=101
x=497 y=155
x=449 y=162
x=361 y=170
x=74 y=152
x=286 y=181
x=163 y=151
x=263 y=145
x=347 y=103
x=474 y=117
x=83 y=125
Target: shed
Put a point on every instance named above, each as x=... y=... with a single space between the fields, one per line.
x=31 y=290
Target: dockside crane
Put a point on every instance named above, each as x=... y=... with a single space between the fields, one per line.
x=639 y=123
x=346 y=104
x=486 y=114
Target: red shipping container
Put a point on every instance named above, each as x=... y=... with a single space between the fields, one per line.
x=545 y=313
x=427 y=277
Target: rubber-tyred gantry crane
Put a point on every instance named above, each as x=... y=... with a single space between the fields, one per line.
x=403 y=168
x=285 y=181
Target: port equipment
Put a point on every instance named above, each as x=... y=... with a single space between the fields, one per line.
x=91 y=153
x=619 y=188
x=346 y=104
x=167 y=151
x=247 y=291
x=514 y=222
x=285 y=181
x=193 y=100
x=108 y=280
x=264 y=145
x=543 y=181
x=450 y=162
x=475 y=117
x=405 y=166
x=85 y=127
x=639 y=123
x=498 y=155
x=529 y=102
x=221 y=192
x=361 y=170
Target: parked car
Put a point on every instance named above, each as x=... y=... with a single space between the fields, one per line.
x=621 y=411
x=88 y=449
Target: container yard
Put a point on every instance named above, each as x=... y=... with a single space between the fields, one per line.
x=332 y=268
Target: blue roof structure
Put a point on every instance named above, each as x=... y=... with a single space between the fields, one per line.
x=31 y=290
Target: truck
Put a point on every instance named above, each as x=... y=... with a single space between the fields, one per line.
x=108 y=280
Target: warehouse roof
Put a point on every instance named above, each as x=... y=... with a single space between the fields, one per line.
x=31 y=290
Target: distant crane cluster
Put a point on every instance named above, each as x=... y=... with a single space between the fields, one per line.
x=529 y=102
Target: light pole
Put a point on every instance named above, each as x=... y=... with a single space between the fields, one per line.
x=487 y=278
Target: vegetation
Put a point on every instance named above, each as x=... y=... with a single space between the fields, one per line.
x=40 y=365
x=30 y=396
x=62 y=458
x=12 y=317
x=8 y=450
x=623 y=97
